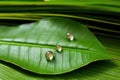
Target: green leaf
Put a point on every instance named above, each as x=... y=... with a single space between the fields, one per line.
x=108 y=70
x=26 y=46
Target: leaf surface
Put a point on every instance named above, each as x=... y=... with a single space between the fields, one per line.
x=26 y=46
x=108 y=70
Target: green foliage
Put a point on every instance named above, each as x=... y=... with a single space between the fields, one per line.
x=101 y=16
x=26 y=45
x=102 y=70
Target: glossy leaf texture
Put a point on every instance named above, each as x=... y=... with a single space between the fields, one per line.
x=108 y=70
x=101 y=15
x=27 y=44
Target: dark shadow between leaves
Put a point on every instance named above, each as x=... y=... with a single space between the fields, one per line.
x=90 y=70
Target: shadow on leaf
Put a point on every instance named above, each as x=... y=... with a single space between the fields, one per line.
x=89 y=71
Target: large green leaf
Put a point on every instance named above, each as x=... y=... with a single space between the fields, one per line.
x=26 y=45
x=108 y=70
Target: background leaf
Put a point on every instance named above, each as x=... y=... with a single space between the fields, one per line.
x=100 y=15
x=14 y=13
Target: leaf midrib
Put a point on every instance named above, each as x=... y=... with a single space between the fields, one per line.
x=28 y=44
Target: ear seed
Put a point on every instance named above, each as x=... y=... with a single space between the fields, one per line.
x=49 y=56
x=70 y=36
x=58 y=48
